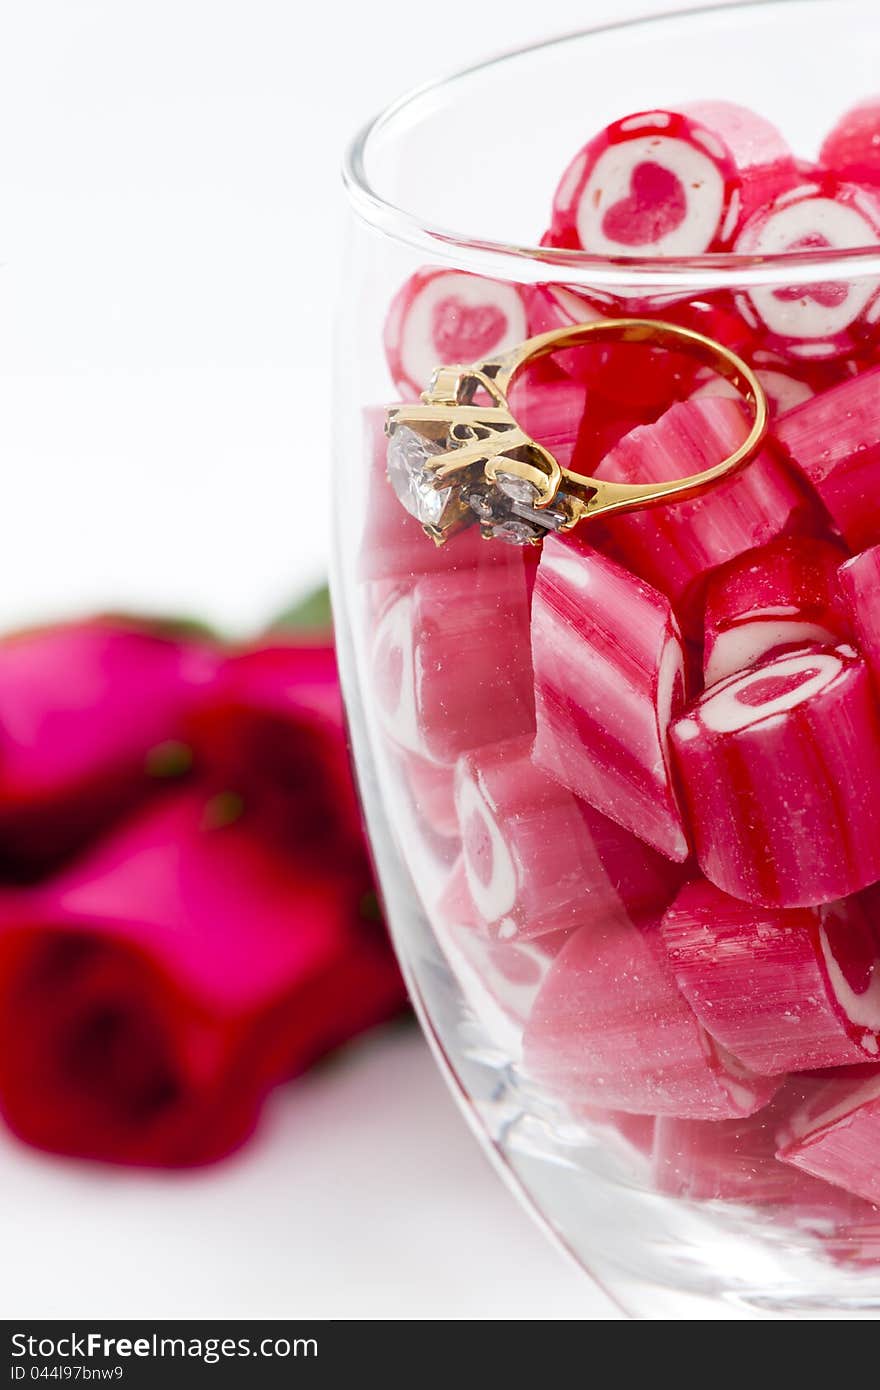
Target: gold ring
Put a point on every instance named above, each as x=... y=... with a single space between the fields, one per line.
x=453 y=462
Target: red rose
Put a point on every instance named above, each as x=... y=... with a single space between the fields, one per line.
x=153 y=993
x=90 y=713
x=271 y=729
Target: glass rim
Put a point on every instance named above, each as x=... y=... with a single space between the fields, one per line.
x=525 y=263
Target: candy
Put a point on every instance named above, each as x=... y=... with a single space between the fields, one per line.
x=637 y=1130
x=783 y=990
x=670 y=183
x=551 y=413
x=549 y=307
x=609 y=676
x=836 y=1136
x=852 y=147
x=779 y=767
x=805 y=318
x=631 y=376
x=499 y=980
x=610 y=1027
x=450 y=661
x=441 y=317
x=783 y=389
x=782 y=596
x=603 y=426
x=859 y=582
x=537 y=858
x=764 y=163
x=834 y=442
x=432 y=789
x=674 y=546
x=735 y=1160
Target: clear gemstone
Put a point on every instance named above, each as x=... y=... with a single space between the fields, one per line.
x=507 y=510
x=411 y=476
x=517 y=489
x=515 y=532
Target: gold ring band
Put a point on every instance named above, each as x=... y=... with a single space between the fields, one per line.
x=464 y=450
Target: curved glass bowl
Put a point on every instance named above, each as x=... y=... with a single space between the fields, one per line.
x=529 y=923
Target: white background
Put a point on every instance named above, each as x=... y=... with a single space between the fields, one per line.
x=169 y=223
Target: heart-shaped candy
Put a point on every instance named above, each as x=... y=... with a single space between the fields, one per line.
x=655 y=205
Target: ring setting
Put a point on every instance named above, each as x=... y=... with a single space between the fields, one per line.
x=460 y=457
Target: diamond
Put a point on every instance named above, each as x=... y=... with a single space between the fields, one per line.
x=411 y=476
x=507 y=510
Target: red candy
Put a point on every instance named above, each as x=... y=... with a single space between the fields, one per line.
x=670 y=183
x=551 y=413
x=859 y=580
x=442 y=317
x=537 y=858
x=813 y=320
x=735 y=1160
x=609 y=676
x=674 y=546
x=783 y=990
x=630 y=376
x=779 y=767
x=499 y=980
x=834 y=442
x=610 y=1027
x=852 y=148
x=783 y=388
x=451 y=666
x=783 y=596
x=836 y=1136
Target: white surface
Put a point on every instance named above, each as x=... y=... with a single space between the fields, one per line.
x=169 y=205
x=363 y=1196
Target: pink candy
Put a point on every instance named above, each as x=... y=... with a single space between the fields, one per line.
x=674 y=546
x=537 y=858
x=432 y=792
x=852 y=148
x=782 y=990
x=670 y=183
x=499 y=980
x=815 y=319
x=779 y=767
x=783 y=596
x=836 y=1136
x=735 y=1160
x=551 y=412
x=609 y=676
x=450 y=660
x=859 y=582
x=834 y=442
x=443 y=317
x=610 y=1027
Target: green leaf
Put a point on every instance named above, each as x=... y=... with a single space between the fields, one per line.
x=223 y=809
x=310 y=614
x=169 y=759
x=176 y=627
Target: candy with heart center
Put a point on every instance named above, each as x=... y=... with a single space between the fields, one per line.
x=670 y=183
